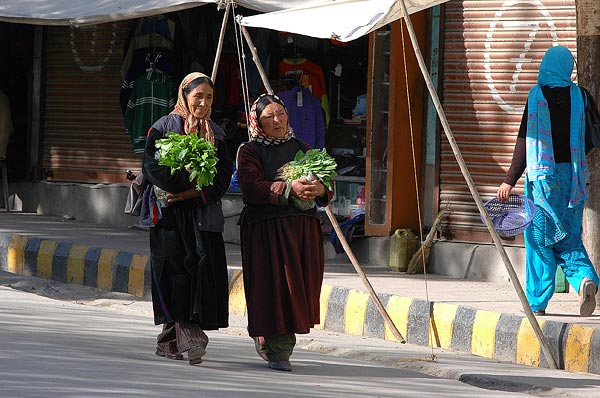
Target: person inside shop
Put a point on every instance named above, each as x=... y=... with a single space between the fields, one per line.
x=550 y=148
x=282 y=245
x=189 y=267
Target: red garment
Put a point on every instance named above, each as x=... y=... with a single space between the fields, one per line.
x=228 y=67
x=283 y=274
x=283 y=257
x=310 y=73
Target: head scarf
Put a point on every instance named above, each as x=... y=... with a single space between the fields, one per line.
x=191 y=123
x=257 y=134
x=555 y=71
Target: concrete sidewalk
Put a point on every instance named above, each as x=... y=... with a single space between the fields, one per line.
x=474 y=317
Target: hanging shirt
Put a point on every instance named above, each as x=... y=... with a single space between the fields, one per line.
x=143 y=61
x=147 y=90
x=153 y=96
x=228 y=67
x=309 y=75
x=305 y=116
x=150 y=33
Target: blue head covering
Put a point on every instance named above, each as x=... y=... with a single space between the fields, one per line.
x=555 y=71
x=556 y=67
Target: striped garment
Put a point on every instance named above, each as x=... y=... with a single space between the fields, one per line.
x=153 y=96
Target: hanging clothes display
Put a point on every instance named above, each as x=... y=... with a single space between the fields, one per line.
x=148 y=90
x=305 y=115
x=308 y=74
x=228 y=67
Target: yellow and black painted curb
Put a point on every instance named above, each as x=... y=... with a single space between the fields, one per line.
x=503 y=337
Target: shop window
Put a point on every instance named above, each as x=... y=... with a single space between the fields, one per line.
x=336 y=74
x=378 y=125
x=394 y=129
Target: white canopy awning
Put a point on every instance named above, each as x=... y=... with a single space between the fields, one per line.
x=89 y=12
x=343 y=20
x=85 y=12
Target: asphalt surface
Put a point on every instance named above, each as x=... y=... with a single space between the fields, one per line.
x=492 y=296
x=464 y=316
x=62 y=336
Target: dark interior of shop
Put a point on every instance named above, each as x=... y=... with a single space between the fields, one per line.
x=16 y=48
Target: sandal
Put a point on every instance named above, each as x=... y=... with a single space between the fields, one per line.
x=587 y=297
x=170 y=355
x=260 y=348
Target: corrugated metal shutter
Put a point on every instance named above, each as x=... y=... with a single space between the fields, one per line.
x=84 y=136
x=492 y=51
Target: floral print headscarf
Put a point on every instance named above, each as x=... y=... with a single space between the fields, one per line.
x=256 y=133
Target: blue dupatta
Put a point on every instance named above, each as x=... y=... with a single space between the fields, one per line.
x=555 y=71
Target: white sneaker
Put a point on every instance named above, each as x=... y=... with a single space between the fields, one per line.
x=587 y=297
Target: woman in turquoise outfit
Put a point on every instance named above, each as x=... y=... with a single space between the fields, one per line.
x=550 y=148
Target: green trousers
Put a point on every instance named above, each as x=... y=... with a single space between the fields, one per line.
x=280 y=347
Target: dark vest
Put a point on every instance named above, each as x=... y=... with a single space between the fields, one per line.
x=272 y=157
x=209 y=217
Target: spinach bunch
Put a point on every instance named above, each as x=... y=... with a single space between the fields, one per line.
x=189 y=151
x=315 y=161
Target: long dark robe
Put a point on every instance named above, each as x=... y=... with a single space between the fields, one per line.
x=282 y=247
x=189 y=266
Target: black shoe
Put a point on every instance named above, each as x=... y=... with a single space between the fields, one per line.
x=285 y=366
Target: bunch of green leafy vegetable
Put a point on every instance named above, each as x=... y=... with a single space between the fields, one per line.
x=191 y=152
x=315 y=161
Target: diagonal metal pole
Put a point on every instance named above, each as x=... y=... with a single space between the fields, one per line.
x=463 y=168
x=213 y=75
x=332 y=218
x=363 y=277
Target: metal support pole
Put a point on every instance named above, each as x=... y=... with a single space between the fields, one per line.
x=332 y=218
x=213 y=75
x=463 y=168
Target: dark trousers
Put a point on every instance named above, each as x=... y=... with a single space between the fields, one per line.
x=178 y=337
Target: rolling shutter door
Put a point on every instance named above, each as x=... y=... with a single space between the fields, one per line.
x=84 y=136
x=492 y=52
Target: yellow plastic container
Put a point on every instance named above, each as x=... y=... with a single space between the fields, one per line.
x=403 y=244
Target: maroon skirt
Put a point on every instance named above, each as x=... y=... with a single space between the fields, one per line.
x=283 y=262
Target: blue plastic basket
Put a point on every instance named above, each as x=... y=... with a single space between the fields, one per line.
x=512 y=216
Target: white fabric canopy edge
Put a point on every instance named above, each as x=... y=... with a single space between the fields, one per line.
x=80 y=13
x=89 y=12
x=344 y=20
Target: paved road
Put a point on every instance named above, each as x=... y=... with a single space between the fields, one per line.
x=73 y=341
x=492 y=296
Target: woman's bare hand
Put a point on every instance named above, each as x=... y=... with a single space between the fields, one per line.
x=185 y=195
x=305 y=189
x=504 y=191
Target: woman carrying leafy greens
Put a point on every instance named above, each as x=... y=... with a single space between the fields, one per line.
x=281 y=238
x=189 y=267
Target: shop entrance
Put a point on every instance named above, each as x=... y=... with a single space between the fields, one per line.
x=16 y=56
